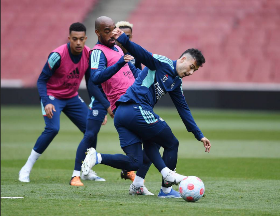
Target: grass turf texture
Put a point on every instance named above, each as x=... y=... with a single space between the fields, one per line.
x=241 y=173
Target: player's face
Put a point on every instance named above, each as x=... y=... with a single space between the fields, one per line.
x=186 y=66
x=105 y=35
x=77 y=42
x=128 y=33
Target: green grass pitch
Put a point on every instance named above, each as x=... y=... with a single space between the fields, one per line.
x=241 y=173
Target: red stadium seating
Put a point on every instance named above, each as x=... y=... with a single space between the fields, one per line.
x=30 y=30
x=240 y=39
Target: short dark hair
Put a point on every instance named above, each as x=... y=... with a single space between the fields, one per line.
x=77 y=27
x=197 y=55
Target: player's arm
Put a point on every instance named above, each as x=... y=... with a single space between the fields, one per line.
x=181 y=105
x=51 y=65
x=99 y=70
x=134 y=70
x=94 y=91
x=183 y=109
x=138 y=64
x=136 y=50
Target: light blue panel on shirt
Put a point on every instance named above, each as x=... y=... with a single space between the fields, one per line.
x=164 y=59
x=43 y=109
x=95 y=57
x=149 y=79
x=53 y=59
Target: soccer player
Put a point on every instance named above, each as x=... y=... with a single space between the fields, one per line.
x=58 y=86
x=136 y=122
x=105 y=58
x=126 y=27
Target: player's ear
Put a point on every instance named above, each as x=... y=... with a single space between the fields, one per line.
x=97 y=32
x=183 y=58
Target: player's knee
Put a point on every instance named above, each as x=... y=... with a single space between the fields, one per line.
x=90 y=135
x=52 y=131
x=175 y=143
x=135 y=164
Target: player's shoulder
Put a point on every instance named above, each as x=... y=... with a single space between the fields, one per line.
x=164 y=60
x=53 y=59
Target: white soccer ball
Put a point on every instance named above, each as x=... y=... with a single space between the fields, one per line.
x=191 y=188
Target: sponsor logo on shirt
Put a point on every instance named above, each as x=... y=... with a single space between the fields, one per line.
x=128 y=74
x=74 y=74
x=159 y=91
x=70 y=85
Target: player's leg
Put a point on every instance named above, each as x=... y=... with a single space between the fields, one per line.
x=88 y=141
x=150 y=127
x=51 y=129
x=130 y=143
x=170 y=145
x=76 y=110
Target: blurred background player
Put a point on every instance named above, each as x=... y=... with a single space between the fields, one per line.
x=58 y=89
x=127 y=27
x=105 y=57
x=136 y=121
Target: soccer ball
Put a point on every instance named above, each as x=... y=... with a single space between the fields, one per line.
x=191 y=188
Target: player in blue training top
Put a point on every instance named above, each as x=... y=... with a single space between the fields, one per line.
x=136 y=121
x=58 y=86
x=98 y=111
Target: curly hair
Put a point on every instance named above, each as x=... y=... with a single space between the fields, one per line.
x=197 y=55
x=124 y=24
x=79 y=27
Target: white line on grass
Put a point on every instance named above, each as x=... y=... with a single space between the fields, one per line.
x=12 y=197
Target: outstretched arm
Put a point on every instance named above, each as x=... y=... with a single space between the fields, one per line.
x=136 y=50
x=99 y=70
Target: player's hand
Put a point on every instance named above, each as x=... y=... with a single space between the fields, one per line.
x=116 y=33
x=206 y=143
x=109 y=110
x=128 y=58
x=105 y=120
x=49 y=108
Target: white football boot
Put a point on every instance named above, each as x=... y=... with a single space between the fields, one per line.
x=92 y=176
x=173 y=178
x=142 y=190
x=89 y=161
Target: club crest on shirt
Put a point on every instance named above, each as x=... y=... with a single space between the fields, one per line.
x=51 y=97
x=94 y=112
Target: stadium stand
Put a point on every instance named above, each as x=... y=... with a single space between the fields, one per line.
x=30 y=30
x=240 y=39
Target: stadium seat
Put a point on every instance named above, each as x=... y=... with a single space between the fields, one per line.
x=234 y=36
x=34 y=29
